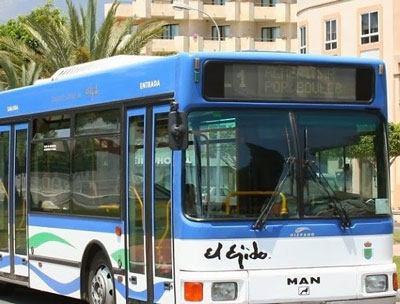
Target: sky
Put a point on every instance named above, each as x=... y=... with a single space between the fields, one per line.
x=10 y=9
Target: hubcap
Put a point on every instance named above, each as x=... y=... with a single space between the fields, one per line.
x=101 y=287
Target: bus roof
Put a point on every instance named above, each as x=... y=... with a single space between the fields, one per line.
x=130 y=77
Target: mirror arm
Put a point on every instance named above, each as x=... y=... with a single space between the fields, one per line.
x=177 y=125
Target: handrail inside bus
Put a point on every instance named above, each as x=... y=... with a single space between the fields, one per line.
x=167 y=216
x=133 y=189
x=4 y=189
x=284 y=209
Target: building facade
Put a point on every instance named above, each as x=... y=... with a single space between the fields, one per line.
x=263 y=25
x=361 y=28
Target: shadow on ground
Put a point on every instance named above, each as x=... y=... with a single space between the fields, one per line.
x=20 y=295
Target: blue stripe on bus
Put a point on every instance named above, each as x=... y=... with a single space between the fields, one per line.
x=60 y=288
x=281 y=229
x=75 y=223
x=18 y=261
x=5 y=261
x=159 y=291
x=138 y=295
x=120 y=287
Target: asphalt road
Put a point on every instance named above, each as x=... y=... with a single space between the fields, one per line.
x=21 y=295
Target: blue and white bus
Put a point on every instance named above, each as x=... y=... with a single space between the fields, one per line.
x=200 y=178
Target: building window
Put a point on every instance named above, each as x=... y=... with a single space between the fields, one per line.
x=225 y=31
x=266 y=2
x=303 y=40
x=171 y=30
x=369 y=28
x=270 y=33
x=214 y=2
x=330 y=35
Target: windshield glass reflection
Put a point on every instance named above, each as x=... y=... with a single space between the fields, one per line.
x=241 y=164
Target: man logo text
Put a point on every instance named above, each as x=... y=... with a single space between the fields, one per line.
x=304 y=281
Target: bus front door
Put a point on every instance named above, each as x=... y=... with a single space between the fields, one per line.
x=13 y=201
x=149 y=267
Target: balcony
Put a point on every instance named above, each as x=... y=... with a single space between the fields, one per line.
x=247 y=44
x=162 y=8
x=262 y=13
x=178 y=44
x=124 y=10
x=281 y=13
x=270 y=46
x=215 y=11
x=197 y=43
x=212 y=45
x=230 y=11
x=127 y=9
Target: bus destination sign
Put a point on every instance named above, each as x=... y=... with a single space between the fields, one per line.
x=285 y=82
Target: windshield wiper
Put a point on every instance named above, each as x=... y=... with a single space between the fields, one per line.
x=319 y=179
x=287 y=169
x=262 y=218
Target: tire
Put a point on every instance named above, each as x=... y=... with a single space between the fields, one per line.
x=100 y=283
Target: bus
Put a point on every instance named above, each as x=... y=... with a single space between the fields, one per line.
x=233 y=177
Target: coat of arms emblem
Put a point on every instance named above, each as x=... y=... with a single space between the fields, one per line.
x=368 y=250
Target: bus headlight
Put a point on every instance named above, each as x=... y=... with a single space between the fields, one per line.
x=224 y=291
x=376 y=283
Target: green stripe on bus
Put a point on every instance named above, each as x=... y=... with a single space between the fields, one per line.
x=44 y=237
x=119 y=255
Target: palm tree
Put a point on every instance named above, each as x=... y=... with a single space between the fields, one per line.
x=77 y=40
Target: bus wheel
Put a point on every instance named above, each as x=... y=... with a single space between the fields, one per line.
x=100 y=287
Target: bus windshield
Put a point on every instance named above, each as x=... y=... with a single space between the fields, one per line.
x=302 y=164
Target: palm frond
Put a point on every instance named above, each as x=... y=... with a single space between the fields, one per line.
x=145 y=32
x=3 y=80
x=55 y=42
x=105 y=33
x=10 y=72
x=75 y=26
x=17 y=50
x=32 y=73
x=120 y=36
x=89 y=24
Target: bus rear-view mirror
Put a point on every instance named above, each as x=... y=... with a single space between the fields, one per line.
x=177 y=130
